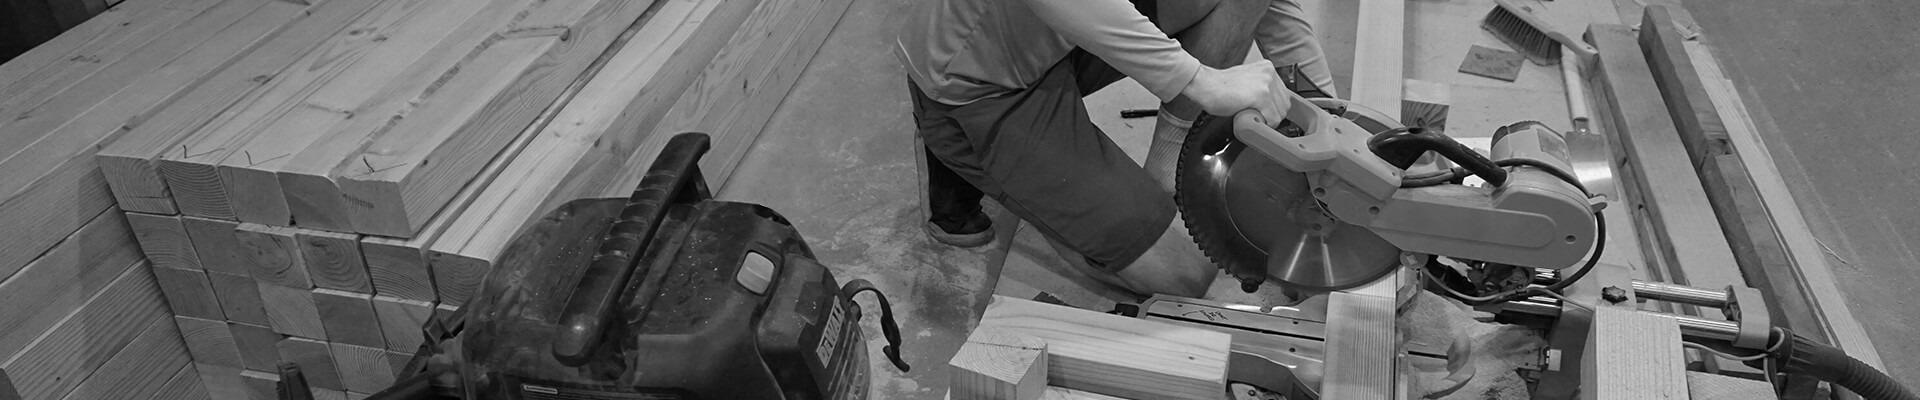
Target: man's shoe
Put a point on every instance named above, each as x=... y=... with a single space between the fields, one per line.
x=975 y=231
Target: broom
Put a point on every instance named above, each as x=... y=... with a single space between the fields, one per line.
x=1530 y=35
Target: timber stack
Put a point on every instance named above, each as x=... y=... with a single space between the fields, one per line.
x=198 y=190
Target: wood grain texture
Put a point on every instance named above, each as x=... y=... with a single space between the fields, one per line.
x=398 y=267
x=744 y=127
x=222 y=383
x=1655 y=369
x=290 y=311
x=65 y=280
x=39 y=217
x=25 y=89
x=209 y=341
x=1379 y=53
x=239 y=297
x=140 y=368
x=261 y=385
x=115 y=24
x=348 y=317
x=188 y=293
x=334 y=261
x=219 y=249
x=363 y=369
x=411 y=178
x=163 y=239
x=1115 y=355
x=312 y=197
x=1808 y=254
x=315 y=359
x=61 y=358
x=184 y=385
x=1360 y=355
x=273 y=255
x=373 y=55
x=130 y=162
x=1751 y=234
x=258 y=345
x=995 y=364
x=1666 y=188
x=401 y=321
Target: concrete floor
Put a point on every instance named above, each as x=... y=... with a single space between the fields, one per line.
x=1833 y=87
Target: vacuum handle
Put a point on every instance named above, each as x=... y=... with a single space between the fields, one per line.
x=673 y=178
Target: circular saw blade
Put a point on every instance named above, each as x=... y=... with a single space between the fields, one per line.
x=1251 y=215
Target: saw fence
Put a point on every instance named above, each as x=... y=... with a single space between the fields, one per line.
x=274 y=181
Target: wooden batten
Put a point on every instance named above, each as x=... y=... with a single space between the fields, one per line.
x=163 y=239
x=334 y=260
x=402 y=322
x=1118 y=356
x=209 y=342
x=188 y=292
x=273 y=255
x=83 y=341
x=66 y=279
x=239 y=297
x=144 y=365
x=348 y=317
x=315 y=359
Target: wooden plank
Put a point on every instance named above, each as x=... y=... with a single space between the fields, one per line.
x=219 y=249
x=401 y=321
x=348 y=317
x=140 y=368
x=259 y=346
x=398 y=267
x=363 y=369
x=260 y=385
x=1751 y=235
x=66 y=133
x=163 y=239
x=192 y=175
x=239 y=297
x=405 y=178
x=188 y=293
x=222 y=382
x=370 y=73
x=290 y=311
x=26 y=88
x=1808 y=254
x=185 y=385
x=65 y=280
x=209 y=342
x=312 y=198
x=61 y=357
x=465 y=251
x=334 y=260
x=742 y=129
x=39 y=217
x=273 y=255
x=116 y=23
x=131 y=163
x=1655 y=369
x=1379 y=53
x=315 y=359
x=995 y=364
x=1360 y=357
x=1666 y=189
x=1118 y=356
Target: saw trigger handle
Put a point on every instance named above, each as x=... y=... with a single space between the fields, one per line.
x=673 y=178
x=1402 y=147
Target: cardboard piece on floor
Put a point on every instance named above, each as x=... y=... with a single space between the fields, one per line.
x=1493 y=63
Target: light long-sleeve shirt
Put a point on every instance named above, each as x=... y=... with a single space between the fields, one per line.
x=960 y=51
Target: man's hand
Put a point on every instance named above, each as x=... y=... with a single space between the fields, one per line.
x=1225 y=92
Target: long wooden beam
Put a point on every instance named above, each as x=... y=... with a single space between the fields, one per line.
x=65 y=280
x=60 y=358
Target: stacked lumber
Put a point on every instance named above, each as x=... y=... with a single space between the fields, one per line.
x=209 y=188
x=26 y=23
x=1085 y=351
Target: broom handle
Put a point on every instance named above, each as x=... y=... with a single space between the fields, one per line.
x=1576 y=93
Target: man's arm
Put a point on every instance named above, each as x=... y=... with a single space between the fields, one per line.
x=1114 y=31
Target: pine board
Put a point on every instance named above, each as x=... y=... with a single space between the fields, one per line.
x=222 y=383
x=163 y=239
x=290 y=311
x=140 y=369
x=27 y=89
x=315 y=359
x=363 y=369
x=334 y=260
x=239 y=297
x=348 y=317
x=219 y=249
x=1118 y=356
x=402 y=321
x=209 y=342
x=1379 y=54
x=185 y=385
x=65 y=279
x=62 y=357
x=258 y=345
x=273 y=255
x=107 y=27
x=188 y=292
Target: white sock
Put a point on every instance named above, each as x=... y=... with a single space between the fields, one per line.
x=1164 y=153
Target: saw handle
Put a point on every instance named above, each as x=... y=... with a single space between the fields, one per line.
x=673 y=178
x=1404 y=146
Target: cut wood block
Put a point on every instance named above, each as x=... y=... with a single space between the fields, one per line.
x=1118 y=356
x=315 y=359
x=62 y=357
x=75 y=128
x=404 y=179
x=188 y=293
x=65 y=280
x=997 y=364
x=262 y=385
x=184 y=385
x=401 y=322
x=140 y=368
x=1379 y=54
x=348 y=317
x=1424 y=104
x=222 y=382
x=239 y=297
x=363 y=369
x=273 y=255
x=218 y=247
x=290 y=311
x=259 y=346
x=312 y=197
x=164 y=240
x=334 y=260
x=372 y=58
x=466 y=250
x=1655 y=369
x=130 y=162
x=209 y=342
